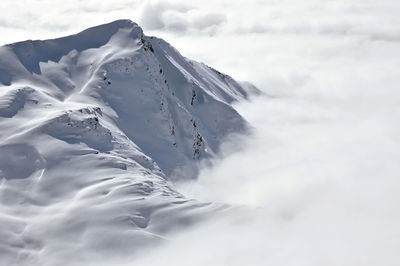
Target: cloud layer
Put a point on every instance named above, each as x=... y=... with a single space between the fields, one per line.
x=178 y=18
x=321 y=167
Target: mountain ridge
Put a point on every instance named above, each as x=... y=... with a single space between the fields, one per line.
x=93 y=129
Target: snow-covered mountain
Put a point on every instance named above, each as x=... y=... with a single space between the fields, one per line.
x=92 y=127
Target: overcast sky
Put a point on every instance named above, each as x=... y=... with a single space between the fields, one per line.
x=322 y=164
x=243 y=38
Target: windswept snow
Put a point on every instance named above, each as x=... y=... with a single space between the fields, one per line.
x=92 y=127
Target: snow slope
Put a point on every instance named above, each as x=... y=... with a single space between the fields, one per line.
x=92 y=127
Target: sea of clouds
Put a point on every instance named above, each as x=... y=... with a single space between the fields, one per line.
x=317 y=181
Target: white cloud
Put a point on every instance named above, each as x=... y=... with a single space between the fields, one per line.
x=322 y=165
x=152 y=13
x=178 y=17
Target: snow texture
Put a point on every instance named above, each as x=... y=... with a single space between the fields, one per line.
x=93 y=126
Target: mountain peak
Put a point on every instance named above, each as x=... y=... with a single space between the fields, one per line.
x=150 y=91
x=30 y=53
x=112 y=27
x=104 y=117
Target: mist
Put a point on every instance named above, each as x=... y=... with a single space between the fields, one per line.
x=315 y=184
x=316 y=180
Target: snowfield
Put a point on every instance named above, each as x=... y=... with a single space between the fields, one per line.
x=93 y=128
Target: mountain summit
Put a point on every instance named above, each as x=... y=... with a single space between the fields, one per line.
x=92 y=127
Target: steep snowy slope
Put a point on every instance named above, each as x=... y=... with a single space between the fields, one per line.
x=92 y=126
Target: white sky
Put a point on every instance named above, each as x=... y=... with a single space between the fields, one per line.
x=323 y=163
x=235 y=36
